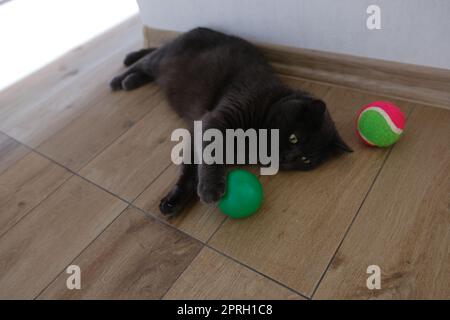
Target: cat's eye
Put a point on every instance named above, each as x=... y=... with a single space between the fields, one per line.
x=293 y=139
x=305 y=160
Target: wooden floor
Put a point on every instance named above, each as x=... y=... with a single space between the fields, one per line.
x=82 y=170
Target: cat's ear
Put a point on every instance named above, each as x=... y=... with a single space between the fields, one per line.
x=317 y=106
x=315 y=112
x=340 y=144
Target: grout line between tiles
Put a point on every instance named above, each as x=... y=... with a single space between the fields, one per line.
x=350 y=225
x=147 y=186
x=65 y=84
x=258 y=272
x=157 y=218
x=355 y=216
x=20 y=158
x=85 y=111
x=116 y=139
x=80 y=253
x=217 y=229
x=181 y=273
x=166 y=223
x=40 y=202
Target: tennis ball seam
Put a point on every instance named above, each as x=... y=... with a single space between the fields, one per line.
x=386 y=117
x=365 y=139
x=381 y=138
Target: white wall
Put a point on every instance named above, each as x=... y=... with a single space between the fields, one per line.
x=413 y=31
x=34 y=33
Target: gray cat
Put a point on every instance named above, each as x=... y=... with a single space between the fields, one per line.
x=227 y=83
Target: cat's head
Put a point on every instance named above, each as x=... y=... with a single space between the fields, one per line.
x=308 y=135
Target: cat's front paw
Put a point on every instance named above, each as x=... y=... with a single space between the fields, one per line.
x=211 y=192
x=173 y=202
x=167 y=207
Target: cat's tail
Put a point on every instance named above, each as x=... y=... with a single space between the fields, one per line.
x=134 y=56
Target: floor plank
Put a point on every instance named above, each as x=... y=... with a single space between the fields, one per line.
x=138 y=157
x=37 y=249
x=60 y=73
x=86 y=136
x=25 y=184
x=120 y=141
x=319 y=90
x=33 y=121
x=404 y=225
x=11 y=151
x=213 y=276
x=135 y=258
x=198 y=219
x=305 y=214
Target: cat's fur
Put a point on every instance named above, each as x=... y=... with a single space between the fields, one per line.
x=226 y=82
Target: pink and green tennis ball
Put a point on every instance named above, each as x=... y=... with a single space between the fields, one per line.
x=243 y=196
x=380 y=123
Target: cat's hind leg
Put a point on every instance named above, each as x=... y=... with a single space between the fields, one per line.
x=135 y=80
x=134 y=56
x=142 y=71
x=131 y=79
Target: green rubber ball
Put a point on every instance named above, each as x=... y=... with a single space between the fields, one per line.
x=243 y=195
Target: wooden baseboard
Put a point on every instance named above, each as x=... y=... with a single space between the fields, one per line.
x=402 y=81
